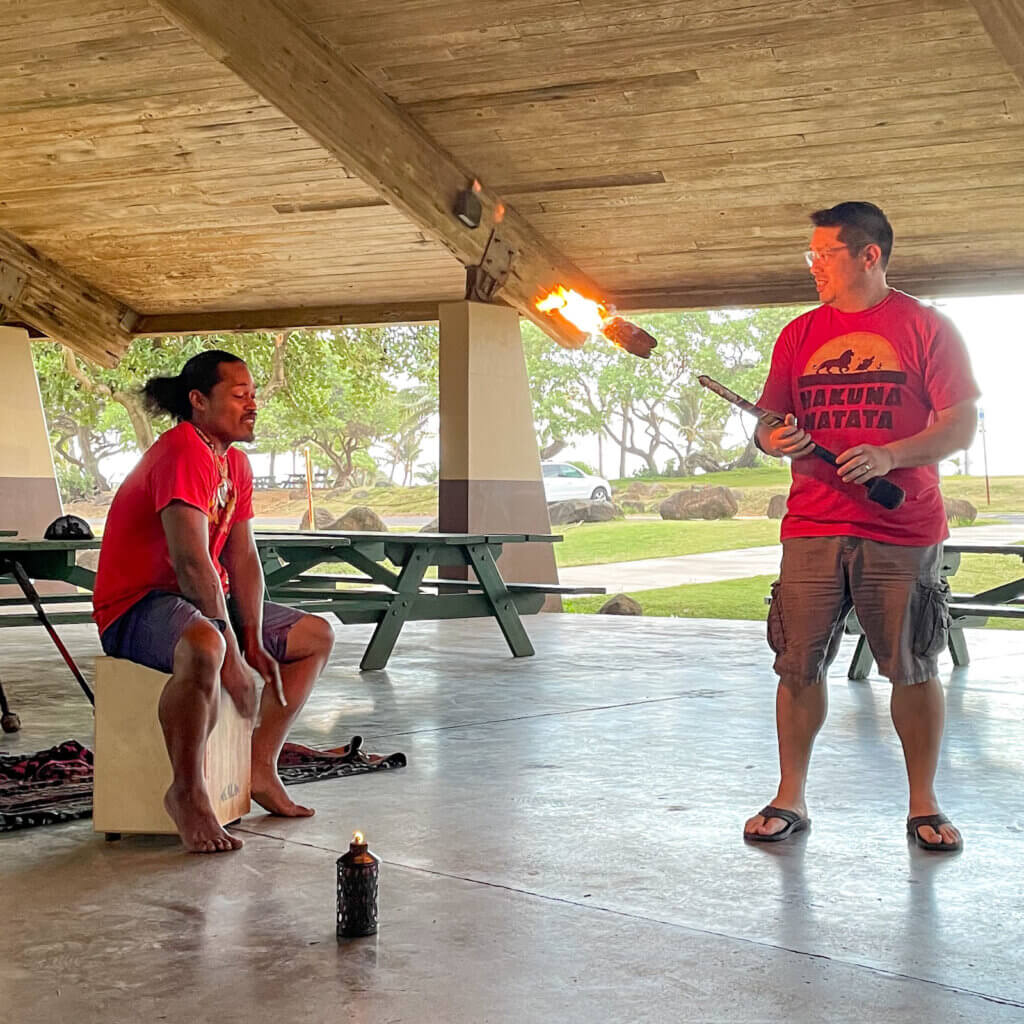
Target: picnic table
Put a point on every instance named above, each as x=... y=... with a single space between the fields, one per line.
x=24 y=561
x=966 y=611
x=390 y=587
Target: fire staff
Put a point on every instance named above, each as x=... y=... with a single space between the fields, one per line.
x=885 y=381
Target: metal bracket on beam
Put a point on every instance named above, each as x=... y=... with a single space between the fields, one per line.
x=12 y=284
x=129 y=320
x=484 y=280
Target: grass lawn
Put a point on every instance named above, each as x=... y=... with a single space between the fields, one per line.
x=744 y=598
x=634 y=539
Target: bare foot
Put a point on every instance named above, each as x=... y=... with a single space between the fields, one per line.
x=197 y=824
x=269 y=792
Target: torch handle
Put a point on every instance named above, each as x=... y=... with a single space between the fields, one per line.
x=881 y=491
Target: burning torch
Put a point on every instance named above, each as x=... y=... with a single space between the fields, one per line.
x=884 y=492
x=591 y=317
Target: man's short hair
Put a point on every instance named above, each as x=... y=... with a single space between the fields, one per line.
x=860 y=224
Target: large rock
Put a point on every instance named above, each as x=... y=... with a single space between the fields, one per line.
x=561 y=513
x=360 y=518
x=620 y=604
x=700 y=503
x=321 y=517
x=88 y=559
x=777 y=506
x=960 y=510
x=431 y=527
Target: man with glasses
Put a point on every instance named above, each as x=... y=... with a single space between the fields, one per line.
x=884 y=380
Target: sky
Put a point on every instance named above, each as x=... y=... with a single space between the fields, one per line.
x=993 y=330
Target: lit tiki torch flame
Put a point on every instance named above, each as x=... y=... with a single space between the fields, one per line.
x=591 y=317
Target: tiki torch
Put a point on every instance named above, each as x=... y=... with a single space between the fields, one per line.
x=590 y=317
x=884 y=492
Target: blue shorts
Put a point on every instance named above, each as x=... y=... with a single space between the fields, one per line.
x=150 y=630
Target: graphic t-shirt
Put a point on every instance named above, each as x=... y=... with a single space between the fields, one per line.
x=870 y=377
x=134 y=558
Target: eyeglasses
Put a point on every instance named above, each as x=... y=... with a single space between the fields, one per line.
x=825 y=255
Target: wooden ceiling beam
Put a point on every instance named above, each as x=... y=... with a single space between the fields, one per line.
x=800 y=292
x=795 y=292
x=266 y=46
x=61 y=305
x=1004 y=23
x=231 y=321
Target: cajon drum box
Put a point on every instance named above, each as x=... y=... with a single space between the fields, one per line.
x=131 y=768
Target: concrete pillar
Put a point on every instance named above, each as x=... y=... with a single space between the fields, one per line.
x=29 y=499
x=489 y=478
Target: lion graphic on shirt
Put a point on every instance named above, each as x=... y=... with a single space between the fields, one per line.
x=841 y=363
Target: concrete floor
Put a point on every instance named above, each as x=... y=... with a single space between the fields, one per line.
x=564 y=846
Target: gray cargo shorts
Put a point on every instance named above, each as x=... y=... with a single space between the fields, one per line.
x=150 y=630
x=900 y=599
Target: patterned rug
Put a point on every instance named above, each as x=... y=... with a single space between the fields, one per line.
x=56 y=785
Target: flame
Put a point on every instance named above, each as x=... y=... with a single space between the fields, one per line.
x=581 y=312
x=357 y=838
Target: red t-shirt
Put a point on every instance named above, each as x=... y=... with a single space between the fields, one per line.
x=870 y=377
x=134 y=558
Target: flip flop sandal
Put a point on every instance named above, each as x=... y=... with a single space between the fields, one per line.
x=933 y=820
x=794 y=824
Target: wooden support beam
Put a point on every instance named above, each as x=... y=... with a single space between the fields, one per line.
x=60 y=305
x=265 y=44
x=230 y=321
x=795 y=292
x=800 y=291
x=1004 y=22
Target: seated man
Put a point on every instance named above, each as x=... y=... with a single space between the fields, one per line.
x=178 y=539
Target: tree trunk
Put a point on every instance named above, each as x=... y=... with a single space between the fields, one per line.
x=622 y=448
x=748 y=459
x=549 y=451
x=141 y=423
x=600 y=455
x=273 y=456
x=89 y=460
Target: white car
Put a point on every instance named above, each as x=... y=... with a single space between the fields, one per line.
x=564 y=481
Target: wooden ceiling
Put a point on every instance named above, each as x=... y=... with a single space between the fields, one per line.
x=157 y=176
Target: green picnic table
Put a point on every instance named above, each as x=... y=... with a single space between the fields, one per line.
x=390 y=586
x=24 y=561
x=966 y=611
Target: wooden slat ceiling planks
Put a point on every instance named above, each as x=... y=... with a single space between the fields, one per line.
x=670 y=150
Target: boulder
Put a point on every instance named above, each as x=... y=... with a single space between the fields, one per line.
x=699 y=503
x=321 y=517
x=620 y=604
x=561 y=513
x=627 y=505
x=360 y=518
x=777 y=506
x=431 y=527
x=88 y=559
x=959 y=510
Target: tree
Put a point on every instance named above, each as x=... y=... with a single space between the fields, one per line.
x=654 y=407
x=338 y=395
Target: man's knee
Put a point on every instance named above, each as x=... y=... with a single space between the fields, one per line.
x=796 y=685
x=199 y=655
x=319 y=633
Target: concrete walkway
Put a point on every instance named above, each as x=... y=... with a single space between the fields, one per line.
x=653 y=573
